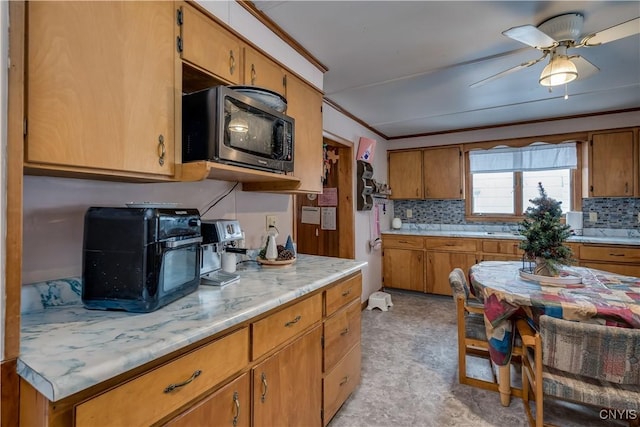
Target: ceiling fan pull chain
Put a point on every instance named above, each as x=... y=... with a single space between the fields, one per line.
x=566 y=91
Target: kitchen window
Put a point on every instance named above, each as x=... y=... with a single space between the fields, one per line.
x=504 y=179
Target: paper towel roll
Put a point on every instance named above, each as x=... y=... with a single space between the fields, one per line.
x=574 y=220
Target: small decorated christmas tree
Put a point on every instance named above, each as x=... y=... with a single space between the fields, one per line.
x=545 y=234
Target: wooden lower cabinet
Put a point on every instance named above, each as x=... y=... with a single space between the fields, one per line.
x=404 y=269
x=229 y=406
x=341 y=355
x=152 y=396
x=341 y=381
x=423 y=263
x=287 y=386
x=618 y=259
x=273 y=370
x=440 y=264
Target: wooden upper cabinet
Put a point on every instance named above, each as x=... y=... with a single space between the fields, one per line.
x=613 y=164
x=208 y=45
x=305 y=106
x=100 y=86
x=405 y=174
x=442 y=172
x=263 y=72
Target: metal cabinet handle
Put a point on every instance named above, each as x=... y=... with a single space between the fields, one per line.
x=345 y=331
x=236 y=401
x=161 y=150
x=344 y=380
x=616 y=254
x=346 y=293
x=293 y=322
x=265 y=386
x=172 y=387
x=232 y=62
x=403 y=241
x=626 y=187
x=253 y=75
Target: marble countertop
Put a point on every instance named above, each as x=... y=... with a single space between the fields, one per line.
x=66 y=349
x=602 y=239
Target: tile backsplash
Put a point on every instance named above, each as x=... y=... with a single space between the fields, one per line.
x=613 y=213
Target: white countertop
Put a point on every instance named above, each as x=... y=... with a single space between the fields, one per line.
x=66 y=349
x=609 y=240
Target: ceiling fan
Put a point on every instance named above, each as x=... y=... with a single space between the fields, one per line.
x=554 y=37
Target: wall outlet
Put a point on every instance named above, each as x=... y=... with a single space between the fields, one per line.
x=638 y=217
x=409 y=213
x=593 y=216
x=271 y=221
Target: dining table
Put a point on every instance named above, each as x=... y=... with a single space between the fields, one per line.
x=510 y=291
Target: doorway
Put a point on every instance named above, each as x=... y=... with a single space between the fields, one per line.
x=325 y=223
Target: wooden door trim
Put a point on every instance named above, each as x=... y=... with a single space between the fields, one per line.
x=345 y=201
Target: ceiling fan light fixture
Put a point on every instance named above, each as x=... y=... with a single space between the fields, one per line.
x=559 y=71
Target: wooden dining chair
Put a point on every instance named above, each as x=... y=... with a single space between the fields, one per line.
x=581 y=362
x=472 y=335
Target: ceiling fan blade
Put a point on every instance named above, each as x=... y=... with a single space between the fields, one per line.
x=616 y=32
x=508 y=71
x=530 y=35
x=585 y=68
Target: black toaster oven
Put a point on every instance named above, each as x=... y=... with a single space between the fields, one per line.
x=139 y=259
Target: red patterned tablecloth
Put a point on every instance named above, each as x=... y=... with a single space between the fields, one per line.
x=603 y=297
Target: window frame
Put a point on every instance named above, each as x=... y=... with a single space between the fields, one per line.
x=576 y=176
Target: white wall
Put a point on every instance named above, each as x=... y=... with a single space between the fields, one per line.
x=4 y=54
x=342 y=129
x=54 y=211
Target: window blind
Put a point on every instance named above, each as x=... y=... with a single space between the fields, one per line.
x=535 y=157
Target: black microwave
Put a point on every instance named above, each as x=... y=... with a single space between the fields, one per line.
x=225 y=126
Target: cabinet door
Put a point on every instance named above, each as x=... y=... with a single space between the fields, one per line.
x=442 y=172
x=305 y=106
x=262 y=71
x=440 y=264
x=100 y=85
x=403 y=269
x=287 y=387
x=229 y=406
x=208 y=45
x=611 y=164
x=405 y=174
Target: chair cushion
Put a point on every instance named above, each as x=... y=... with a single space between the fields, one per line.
x=602 y=394
x=607 y=353
x=474 y=325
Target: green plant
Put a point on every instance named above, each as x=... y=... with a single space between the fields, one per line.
x=544 y=235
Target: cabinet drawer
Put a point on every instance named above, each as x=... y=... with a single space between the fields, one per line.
x=509 y=247
x=340 y=382
x=342 y=293
x=615 y=254
x=451 y=244
x=277 y=328
x=129 y=404
x=403 y=242
x=341 y=332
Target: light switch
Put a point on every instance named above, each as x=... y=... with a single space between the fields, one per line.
x=593 y=216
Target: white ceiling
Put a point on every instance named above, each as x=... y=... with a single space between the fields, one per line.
x=404 y=67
